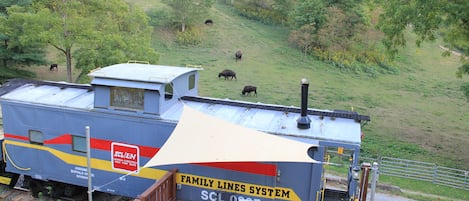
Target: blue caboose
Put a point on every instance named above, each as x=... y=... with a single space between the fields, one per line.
x=133 y=109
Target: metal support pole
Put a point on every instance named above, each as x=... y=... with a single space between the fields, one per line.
x=88 y=163
x=374 y=179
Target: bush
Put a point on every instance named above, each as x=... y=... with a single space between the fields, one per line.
x=355 y=62
x=159 y=16
x=465 y=89
x=9 y=73
x=190 y=37
x=260 y=13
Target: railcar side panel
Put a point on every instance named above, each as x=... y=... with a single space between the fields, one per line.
x=61 y=158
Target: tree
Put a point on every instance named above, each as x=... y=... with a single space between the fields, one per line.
x=283 y=7
x=308 y=12
x=4 y=4
x=339 y=31
x=123 y=37
x=78 y=26
x=303 y=38
x=428 y=19
x=189 y=12
x=14 y=54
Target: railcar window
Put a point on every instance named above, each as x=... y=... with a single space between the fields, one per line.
x=79 y=143
x=191 y=81
x=168 y=91
x=124 y=97
x=36 y=137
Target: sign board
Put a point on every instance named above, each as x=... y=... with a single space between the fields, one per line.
x=125 y=157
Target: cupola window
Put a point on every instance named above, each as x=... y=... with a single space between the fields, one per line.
x=124 y=97
x=168 y=91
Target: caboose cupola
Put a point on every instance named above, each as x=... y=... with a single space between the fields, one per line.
x=141 y=88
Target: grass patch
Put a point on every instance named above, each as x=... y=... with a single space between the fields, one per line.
x=426 y=188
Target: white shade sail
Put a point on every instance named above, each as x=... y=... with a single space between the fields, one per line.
x=200 y=138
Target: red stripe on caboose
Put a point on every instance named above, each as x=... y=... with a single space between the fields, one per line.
x=249 y=167
x=146 y=151
x=63 y=139
x=105 y=145
x=6 y=135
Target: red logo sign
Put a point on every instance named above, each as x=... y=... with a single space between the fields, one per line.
x=125 y=157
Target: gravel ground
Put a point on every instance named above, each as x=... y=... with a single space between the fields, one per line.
x=388 y=197
x=383 y=193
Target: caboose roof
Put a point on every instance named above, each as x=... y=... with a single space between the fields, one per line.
x=49 y=94
x=141 y=72
x=328 y=125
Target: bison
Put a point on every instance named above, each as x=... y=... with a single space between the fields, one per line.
x=208 y=22
x=248 y=89
x=238 y=55
x=53 y=67
x=227 y=74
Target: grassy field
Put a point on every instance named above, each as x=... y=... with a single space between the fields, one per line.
x=417 y=114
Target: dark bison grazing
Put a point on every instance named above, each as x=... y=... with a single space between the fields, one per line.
x=238 y=55
x=227 y=74
x=248 y=89
x=208 y=22
x=54 y=67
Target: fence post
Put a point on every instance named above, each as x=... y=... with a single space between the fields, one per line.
x=435 y=174
x=466 y=179
x=374 y=179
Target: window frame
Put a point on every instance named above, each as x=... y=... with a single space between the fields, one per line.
x=191 y=82
x=33 y=135
x=75 y=141
x=169 y=91
x=135 y=102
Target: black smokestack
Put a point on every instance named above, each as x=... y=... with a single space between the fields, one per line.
x=303 y=122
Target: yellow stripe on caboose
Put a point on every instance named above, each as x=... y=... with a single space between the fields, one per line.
x=182 y=178
x=278 y=193
x=98 y=164
x=5 y=180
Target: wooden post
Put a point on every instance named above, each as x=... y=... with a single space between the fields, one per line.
x=364 y=181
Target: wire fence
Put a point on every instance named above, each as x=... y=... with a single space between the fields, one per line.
x=422 y=171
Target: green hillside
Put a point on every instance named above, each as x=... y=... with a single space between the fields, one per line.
x=418 y=114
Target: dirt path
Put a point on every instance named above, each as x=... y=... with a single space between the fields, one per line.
x=383 y=193
x=452 y=52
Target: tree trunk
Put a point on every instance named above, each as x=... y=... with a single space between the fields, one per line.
x=68 y=55
x=183 y=27
x=5 y=59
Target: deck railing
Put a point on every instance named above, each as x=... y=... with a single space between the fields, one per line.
x=163 y=190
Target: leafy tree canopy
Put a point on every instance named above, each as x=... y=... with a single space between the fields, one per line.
x=98 y=32
x=14 y=54
x=4 y=4
x=189 y=12
x=308 y=12
x=428 y=19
